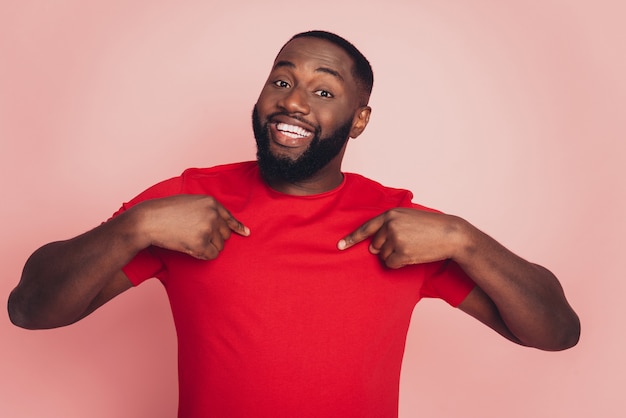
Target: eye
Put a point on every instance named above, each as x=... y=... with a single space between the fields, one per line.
x=324 y=93
x=282 y=84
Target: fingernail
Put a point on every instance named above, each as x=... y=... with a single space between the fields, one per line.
x=341 y=244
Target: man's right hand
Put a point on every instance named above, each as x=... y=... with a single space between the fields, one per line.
x=197 y=225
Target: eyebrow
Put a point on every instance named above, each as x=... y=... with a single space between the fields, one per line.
x=289 y=64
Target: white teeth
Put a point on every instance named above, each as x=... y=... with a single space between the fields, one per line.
x=291 y=135
x=292 y=131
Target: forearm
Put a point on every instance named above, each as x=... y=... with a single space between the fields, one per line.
x=529 y=298
x=61 y=279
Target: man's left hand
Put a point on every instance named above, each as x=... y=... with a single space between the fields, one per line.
x=404 y=236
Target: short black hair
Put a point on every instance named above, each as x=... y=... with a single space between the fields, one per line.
x=362 y=70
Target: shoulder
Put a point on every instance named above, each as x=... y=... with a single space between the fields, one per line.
x=199 y=181
x=232 y=169
x=364 y=184
x=234 y=176
x=370 y=190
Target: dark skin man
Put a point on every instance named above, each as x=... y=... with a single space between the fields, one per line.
x=311 y=98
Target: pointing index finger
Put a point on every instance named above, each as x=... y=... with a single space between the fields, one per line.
x=366 y=230
x=238 y=227
x=233 y=223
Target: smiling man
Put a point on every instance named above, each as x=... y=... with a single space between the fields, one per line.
x=313 y=101
x=304 y=311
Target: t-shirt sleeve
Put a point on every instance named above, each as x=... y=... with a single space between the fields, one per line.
x=142 y=267
x=449 y=282
x=146 y=264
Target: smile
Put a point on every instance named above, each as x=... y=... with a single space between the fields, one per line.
x=292 y=131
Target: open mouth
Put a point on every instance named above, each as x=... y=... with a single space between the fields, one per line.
x=292 y=131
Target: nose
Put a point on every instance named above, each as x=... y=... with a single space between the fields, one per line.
x=294 y=101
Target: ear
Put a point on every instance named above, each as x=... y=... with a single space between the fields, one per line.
x=360 y=120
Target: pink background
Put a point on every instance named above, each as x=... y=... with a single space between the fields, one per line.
x=510 y=114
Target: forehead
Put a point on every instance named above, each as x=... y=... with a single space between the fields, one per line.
x=313 y=54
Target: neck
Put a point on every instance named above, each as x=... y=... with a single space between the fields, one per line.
x=326 y=179
x=315 y=185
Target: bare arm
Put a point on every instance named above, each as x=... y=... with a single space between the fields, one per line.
x=520 y=300
x=64 y=281
x=527 y=297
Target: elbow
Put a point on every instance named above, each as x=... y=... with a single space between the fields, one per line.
x=20 y=315
x=555 y=334
x=566 y=336
x=571 y=334
x=17 y=312
x=25 y=315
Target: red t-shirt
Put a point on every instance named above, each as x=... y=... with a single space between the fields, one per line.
x=282 y=323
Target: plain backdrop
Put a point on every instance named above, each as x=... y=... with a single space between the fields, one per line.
x=510 y=114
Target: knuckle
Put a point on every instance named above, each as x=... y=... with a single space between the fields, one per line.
x=392 y=213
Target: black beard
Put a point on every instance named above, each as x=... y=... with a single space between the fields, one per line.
x=318 y=154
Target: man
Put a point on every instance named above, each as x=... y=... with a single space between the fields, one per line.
x=304 y=310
